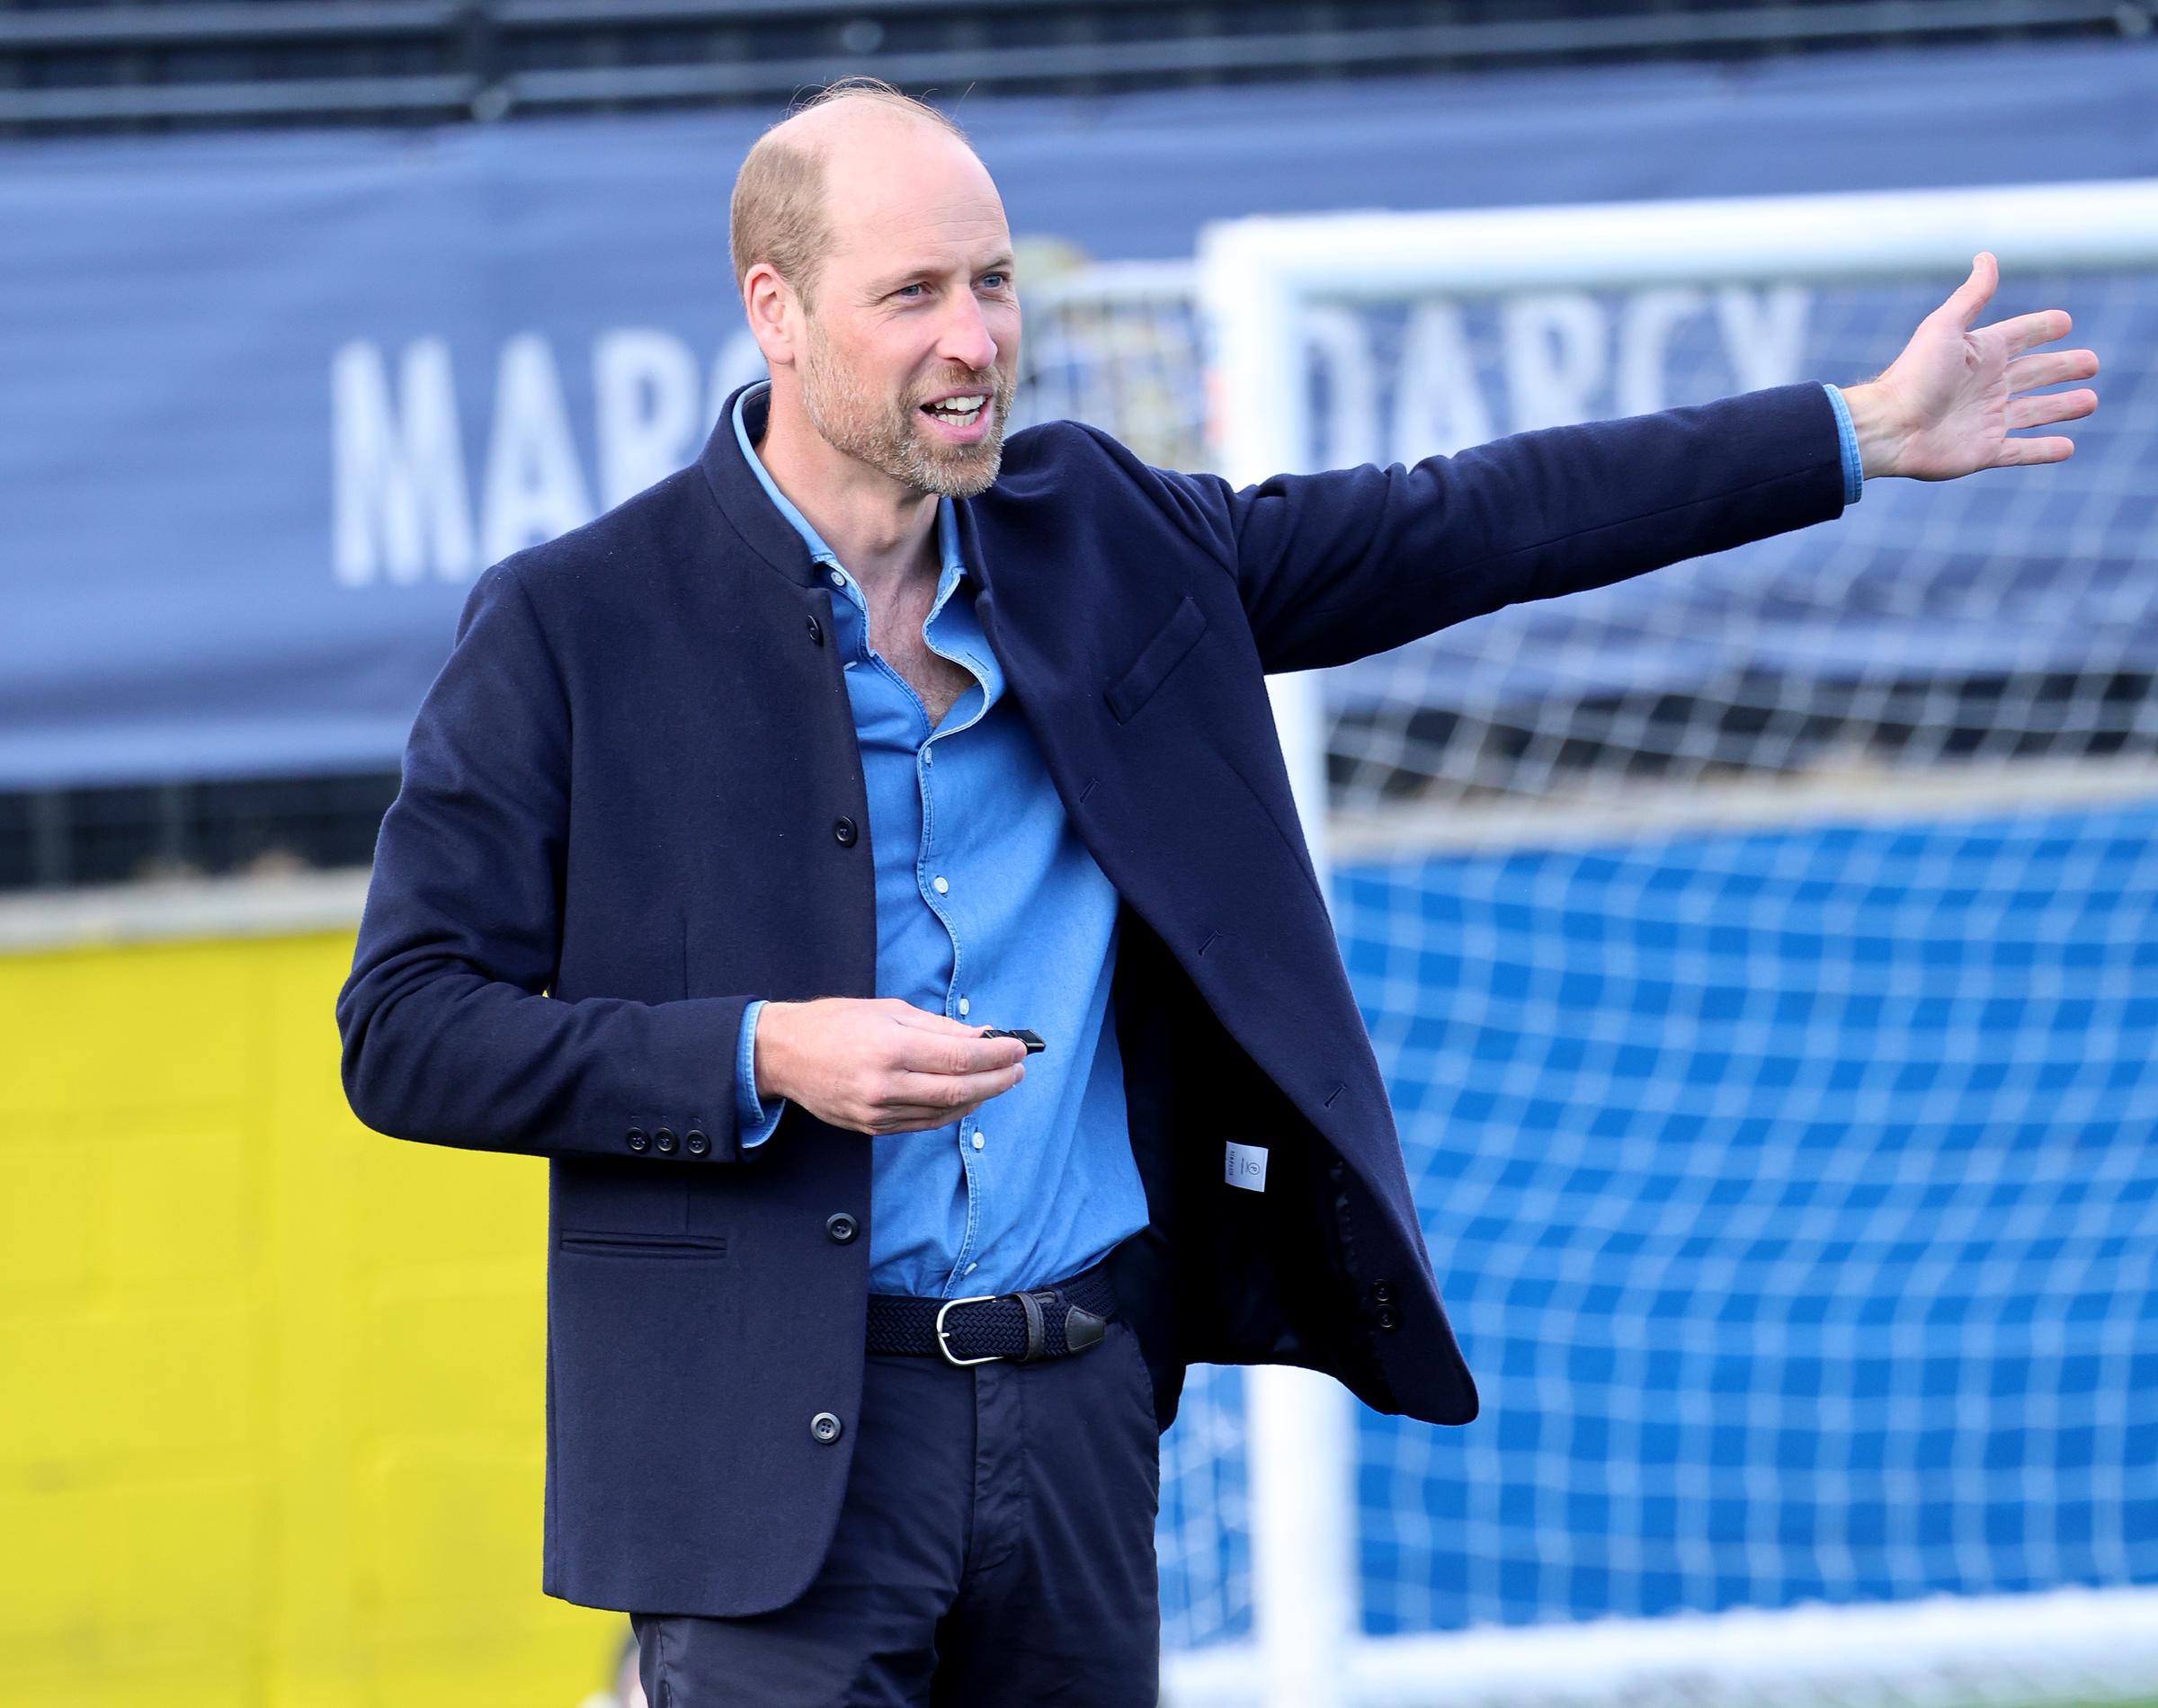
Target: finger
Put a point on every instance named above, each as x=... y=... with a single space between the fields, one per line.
x=2019 y=333
x=2028 y=372
x=944 y=1027
x=2016 y=452
x=1975 y=292
x=2054 y=405
x=946 y=1095
x=923 y=1050
x=923 y=1121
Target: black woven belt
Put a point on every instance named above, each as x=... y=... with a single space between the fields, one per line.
x=1047 y=1323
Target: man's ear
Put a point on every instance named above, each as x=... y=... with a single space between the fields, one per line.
x=773 y=311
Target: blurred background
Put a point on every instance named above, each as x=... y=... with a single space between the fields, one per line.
x=1762 y=954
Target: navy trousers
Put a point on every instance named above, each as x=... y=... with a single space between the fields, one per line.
x=995 y=1546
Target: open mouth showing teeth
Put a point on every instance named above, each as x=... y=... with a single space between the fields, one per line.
x=961 y=411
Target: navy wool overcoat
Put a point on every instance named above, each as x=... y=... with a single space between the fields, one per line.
x=620 y=819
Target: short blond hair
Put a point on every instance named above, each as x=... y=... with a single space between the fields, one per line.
x=776 y=212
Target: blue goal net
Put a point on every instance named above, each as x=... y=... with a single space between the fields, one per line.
x=1795 y=1194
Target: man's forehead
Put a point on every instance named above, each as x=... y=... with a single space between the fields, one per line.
x=928 y=219
x=935 y=234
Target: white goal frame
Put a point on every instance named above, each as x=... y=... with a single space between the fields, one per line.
x=1256 y=277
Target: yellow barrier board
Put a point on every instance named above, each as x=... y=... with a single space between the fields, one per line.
x=270 y=1384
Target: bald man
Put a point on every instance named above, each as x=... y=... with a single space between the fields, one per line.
x=864 y=865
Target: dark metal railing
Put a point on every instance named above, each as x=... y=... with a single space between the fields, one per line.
x=194 y=62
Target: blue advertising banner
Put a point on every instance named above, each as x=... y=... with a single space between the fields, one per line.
x=271 y=401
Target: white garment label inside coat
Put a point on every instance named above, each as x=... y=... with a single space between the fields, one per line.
x=1246 y=1167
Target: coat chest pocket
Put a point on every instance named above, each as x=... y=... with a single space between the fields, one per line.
x=1171 y=645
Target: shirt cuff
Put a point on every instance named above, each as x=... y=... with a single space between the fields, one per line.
x=756 y=1121
x=1847 y=437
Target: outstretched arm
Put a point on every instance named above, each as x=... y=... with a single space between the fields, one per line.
x=1338 y=565
x=1335 y=566
x=1946 y=407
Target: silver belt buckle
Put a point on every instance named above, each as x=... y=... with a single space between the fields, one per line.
x=944 y=1345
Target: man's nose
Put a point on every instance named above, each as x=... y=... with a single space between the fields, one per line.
x=965 y=338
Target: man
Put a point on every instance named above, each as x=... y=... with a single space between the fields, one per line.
x=743 y=824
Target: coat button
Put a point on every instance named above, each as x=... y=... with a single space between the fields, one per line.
x=1381 y=1293
x=843 y=831
x=637 y=1141
x=825 y=1427
x=841 y=1228
x=664 y=1140
x=1387 y=1319
x=698 y=1143
x=816 y=631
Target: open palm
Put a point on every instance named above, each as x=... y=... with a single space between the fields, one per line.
x=1956 y=391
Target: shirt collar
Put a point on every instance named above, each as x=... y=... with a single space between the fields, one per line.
x=948 y=520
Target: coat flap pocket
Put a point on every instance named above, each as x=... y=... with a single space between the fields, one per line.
x=1156 y=659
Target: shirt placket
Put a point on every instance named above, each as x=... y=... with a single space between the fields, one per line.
x=934 y=886
x=930 y=885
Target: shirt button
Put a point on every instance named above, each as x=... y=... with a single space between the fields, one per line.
x=939 y=885
x=962 y=1005
x=971 y=1267
x=838 y=579
x=979 y=1141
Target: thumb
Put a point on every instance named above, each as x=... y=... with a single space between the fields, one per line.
x=1975 y=291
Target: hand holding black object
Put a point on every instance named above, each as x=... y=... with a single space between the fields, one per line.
x=1032 y=1040
x=879 y=1065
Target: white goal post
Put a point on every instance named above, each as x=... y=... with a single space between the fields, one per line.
x=1257 y=282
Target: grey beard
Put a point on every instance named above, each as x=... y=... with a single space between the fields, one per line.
x=849 y=419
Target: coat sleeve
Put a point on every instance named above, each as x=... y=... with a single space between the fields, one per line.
x=448 y=1037
x=1337 y=566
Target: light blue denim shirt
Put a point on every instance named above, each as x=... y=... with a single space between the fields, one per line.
x=991 y=910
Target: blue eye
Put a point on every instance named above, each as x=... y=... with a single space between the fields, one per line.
x=995 y=280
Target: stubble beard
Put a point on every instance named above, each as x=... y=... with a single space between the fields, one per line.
x=889 y=434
